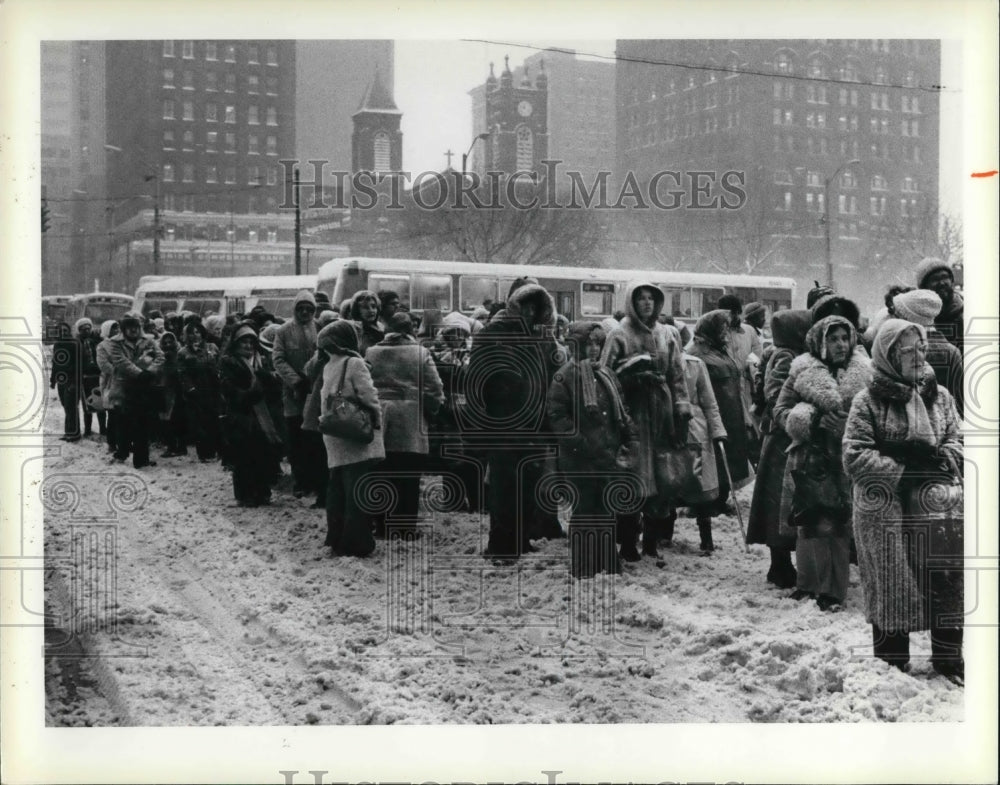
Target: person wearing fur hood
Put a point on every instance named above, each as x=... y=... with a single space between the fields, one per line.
x=812 y=409
x=511 y=364
x=646 y=356
x=903 y=452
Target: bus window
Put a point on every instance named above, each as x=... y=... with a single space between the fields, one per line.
x=203 y=307
x=473 y=289
x=704 y=300
x=278 y=306
x=163 y=305
x=677 y=301
x=597 y=299
x=431 y=291
x=505 y=284
x=391 y=282
x=100 y=311
x=564 y=303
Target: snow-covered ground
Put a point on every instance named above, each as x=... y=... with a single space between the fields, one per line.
x=231 y=616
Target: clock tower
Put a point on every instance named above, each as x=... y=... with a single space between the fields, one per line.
x=517 y=120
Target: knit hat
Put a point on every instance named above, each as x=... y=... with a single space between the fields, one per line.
x=753 y=309
x=80 y=322
x=817 y=292
x=920 y=306
x=106 y=327
x=130 y=320
x=835 y=305
x=931 y=265
x=266 y=337
x=321 y=297
x=731 y=303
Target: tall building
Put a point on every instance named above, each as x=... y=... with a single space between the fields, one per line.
x=580 y=110
x=72 y=162
x=195 y=134
x=854 y=122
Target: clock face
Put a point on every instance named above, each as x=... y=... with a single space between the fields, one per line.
x=524 y=109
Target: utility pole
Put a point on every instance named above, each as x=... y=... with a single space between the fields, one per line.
x=827 y=218
x=298 y=222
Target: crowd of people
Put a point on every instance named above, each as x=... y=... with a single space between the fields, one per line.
x=849 y=428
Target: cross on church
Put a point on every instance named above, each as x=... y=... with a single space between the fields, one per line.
x=449 y=154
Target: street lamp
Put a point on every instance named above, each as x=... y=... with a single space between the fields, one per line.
x=465 y=155
x=156 y=210
x=826 y=221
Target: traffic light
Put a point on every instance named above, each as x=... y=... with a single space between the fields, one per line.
x=45 y=215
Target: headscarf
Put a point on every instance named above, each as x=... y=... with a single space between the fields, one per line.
x=545 y=311
x=340 y=337
x=816 y=337
x=579 y=334
x=400 y=324
x=658 y=300
x=711 y=327
x=79 y=323
x=214 y=325
x=789 y=328
x=918 y=423
x=240 y=332
x=167 y=334
x=106 y=327
x=266 y=337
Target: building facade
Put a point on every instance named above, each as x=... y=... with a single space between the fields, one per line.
x=826 y=134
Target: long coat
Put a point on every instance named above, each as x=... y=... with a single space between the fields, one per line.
x=662 y=342
x=128 y=360
x=706 y=424
x=245 y=423
x=893 y=598
x=727 y=384
x=788 y=329
x=946 y=360
x=810 y=391
x=357 y=385
x=107 y=372
x=407 y=381
x=294 y=345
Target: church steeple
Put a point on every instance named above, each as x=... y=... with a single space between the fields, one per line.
x=491 y=80
x=506 y=78
x=378 y=98
x=377 y=142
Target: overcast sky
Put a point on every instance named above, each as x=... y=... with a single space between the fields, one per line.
x=433 y=79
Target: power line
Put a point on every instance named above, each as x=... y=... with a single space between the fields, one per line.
x=720 y=69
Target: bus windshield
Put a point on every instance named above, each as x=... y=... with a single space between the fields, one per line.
x=100 y=311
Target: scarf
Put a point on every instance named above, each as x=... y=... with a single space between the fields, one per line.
x=918 y=422
x=589 y=376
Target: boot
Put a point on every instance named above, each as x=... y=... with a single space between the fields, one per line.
x=705 y=533
x=946 y=654
x=667 y=532
x=626 y=533
x=892 y=647
x=782 y=572
x=650 y=526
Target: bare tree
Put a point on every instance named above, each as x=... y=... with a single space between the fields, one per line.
x=897 y=242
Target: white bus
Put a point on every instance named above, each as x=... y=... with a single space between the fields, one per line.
x=222 y=296
x=579 y=292
x=99 y=307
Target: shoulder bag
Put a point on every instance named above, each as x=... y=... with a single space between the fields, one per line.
x=345 y=418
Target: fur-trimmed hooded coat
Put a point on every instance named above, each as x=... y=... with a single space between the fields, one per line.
x=811 y=390
x=893 y=597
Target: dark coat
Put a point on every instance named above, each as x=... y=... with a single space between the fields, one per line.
x=946 y=360
x=894 y=598
x=950 y=322
x=242 y=389
x=788 y=329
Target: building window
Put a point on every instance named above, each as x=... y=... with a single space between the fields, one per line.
x=211 y=174
x=230 y=114
x=168 y=48
x=211 y=141
x=916 y=154
x=253 y=144
x=525 y=148
x=878 y=183
x=253 y=116
x=272 y=175
x=230 y=83
x=782 y=63
x=253 y=84
x=272 y=55
x=211 y=113
x=168 y=79
x=849 y=73
x=911 y=79
x=253 y=54
x=168 y=110
x=271 y=85
x=168 y=139
x=230 y=53
x=848 y=180
x=877 y=206
x=272 y=145
x=253 y=175
x=272 y=235
x=188 y=173
x=272 y=115
x=211 y=82
x=814 y=179
x=189 y=141
x=910 y=184
x=816 y=68
x=188 y=110
x=230 y=143
x=782 y=177
x=187 y=80
x=187 y=50
x=230 y=174
x=381 y=152
x=880 y=77
x=211 y=50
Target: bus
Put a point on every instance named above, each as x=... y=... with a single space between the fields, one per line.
x=53 y=312
x=222 y=296
x=99 y=307
x=579 y=292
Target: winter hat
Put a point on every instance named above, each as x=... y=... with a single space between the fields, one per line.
x=456 y=320
x=159 y=323
x=167 y=334
x=106 y=327
x=305 y=296
x=731 y=303
x=753 y=309
x=931 y=265
x=130 y=320
x=321 y=297
x=835 y=305
x=214 y=324
x=400 y=323
x=340 y=337
x=526 y=280
x=327 y=316
x=239 y=333
x=817 y=292
x=920 y=306
x=480 y=314
x=711 y=327
x=266 y=337
x=80 y=323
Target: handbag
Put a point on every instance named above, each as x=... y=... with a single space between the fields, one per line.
x=818 y=490
x=678 y=473
x=345 y=418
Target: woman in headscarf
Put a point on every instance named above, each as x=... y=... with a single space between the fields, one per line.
x=214 y=325
x=711 y=345
x=172 y=402
x=646 y=356
x=198 y=374
x=250 y=431
x=788 y=330
x=109 y=328
x=903 y=453
x=812 y=409
x=409 y=390
x=349 y=527
x=64 y=377
x=586 y=410
x=364 y=309
x=90 y=375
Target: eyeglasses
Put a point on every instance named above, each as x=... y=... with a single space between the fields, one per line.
x=907 y=351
